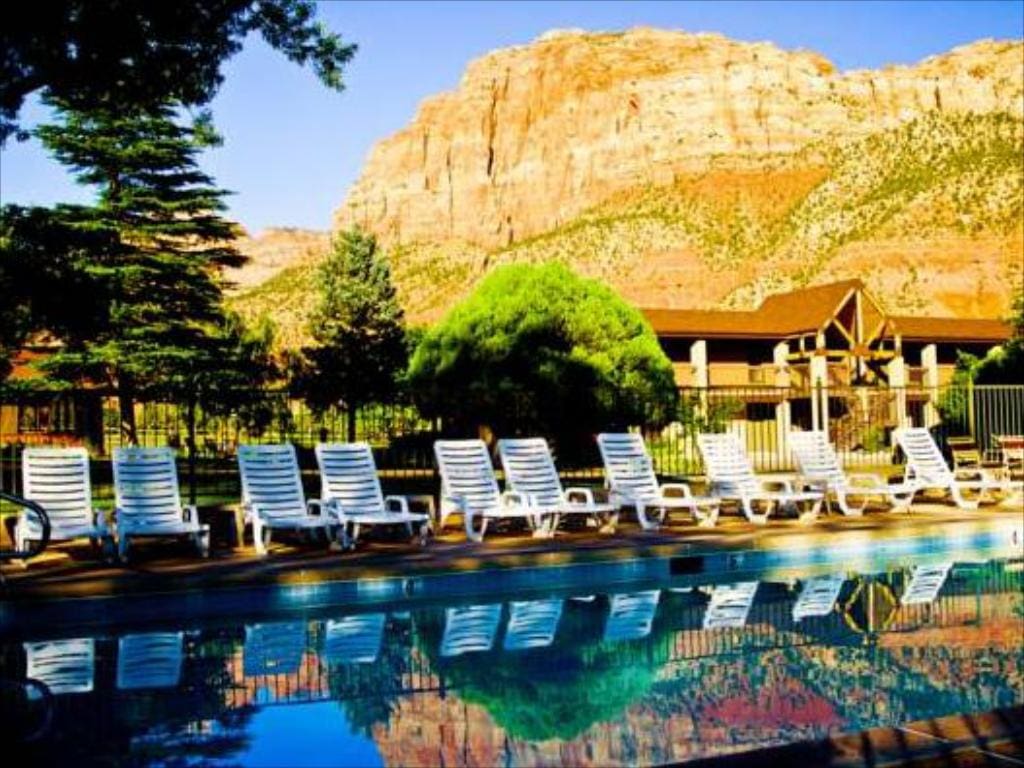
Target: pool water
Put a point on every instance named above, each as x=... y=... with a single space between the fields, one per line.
x=636 y=674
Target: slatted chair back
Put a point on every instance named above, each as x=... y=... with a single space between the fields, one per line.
x=628 y=469
x=467 y=474
x=926 y=581
x=348 y=476
x=272 y=482
x=63 y=666
x=470 y=629
x=924 y=459
x=275 y=648
x=631 y=615
x=730 y=605
x=354 y=639
x=530 y=469
x=532 y=624
x=58 y=480
x=818 y=596
x=150 y=660
x=146 y=488
x=816 y=457
x=726 y=464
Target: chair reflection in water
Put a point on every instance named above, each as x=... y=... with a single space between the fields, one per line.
x=631 y=615
x=151 y=660
x=63 y=666
x=470 y=629
x=532 y=624
x=729 y=605
x=273 y=649
x=354 y=639
x=818 y=596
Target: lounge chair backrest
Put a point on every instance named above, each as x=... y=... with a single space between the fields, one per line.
x=530 y=469
x=150 y=660
x=348 y=476
x=730 y=605
x=354 y=639
x=815 y=457
x=467 y=473
x=631 y=615
x=470 y=629
x=924 y=459
x=628 y=468
x=146 y=487
x=63 y=666
x=726 y=464
x=58 y=480
x=274 y=648
x=271 y=481
x=532 y=624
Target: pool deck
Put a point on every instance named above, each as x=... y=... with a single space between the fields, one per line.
x=73 y=570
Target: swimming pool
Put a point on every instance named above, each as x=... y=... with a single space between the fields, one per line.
x=688 y=666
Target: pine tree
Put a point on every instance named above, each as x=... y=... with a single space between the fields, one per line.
x=358 y=329
x=156 y=312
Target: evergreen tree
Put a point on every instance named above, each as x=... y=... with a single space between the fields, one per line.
x=358 y=329
x=155 y=313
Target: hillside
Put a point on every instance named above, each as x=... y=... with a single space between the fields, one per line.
x=694 y=171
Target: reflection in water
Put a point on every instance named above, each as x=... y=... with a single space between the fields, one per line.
x=637 y=677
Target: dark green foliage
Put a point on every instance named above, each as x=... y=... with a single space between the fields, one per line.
x=132 y=54
x=1002 y=365
x=357 y=327
x=543 y=350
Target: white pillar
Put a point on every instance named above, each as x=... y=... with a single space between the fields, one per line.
x=897 y=370
x=783 y=410
x=699 y=363
x=930 y=379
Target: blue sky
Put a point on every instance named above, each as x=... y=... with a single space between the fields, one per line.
x=292 y=147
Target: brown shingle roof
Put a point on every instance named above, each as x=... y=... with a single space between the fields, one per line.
x=952 y=329
x=785 y=314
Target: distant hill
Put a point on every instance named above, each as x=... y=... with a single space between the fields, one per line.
x=696 y=171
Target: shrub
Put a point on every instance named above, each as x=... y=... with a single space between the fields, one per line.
x=536 y=348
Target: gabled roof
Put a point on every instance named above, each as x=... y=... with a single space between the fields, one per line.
x=785 y=314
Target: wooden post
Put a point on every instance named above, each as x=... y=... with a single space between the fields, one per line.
x=930 y=377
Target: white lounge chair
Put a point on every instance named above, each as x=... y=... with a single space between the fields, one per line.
x=819 y=467
x=350 y=489
x=532 y=624
x=928 y=470
x=148 y=502
x=468 y=486
x=470 y=629
x=730 y=605
x=58 y=480
x=275 y=648
x=818 y=596
x=151 y=660
x=354 y=639
x=629 y=475
x=731 y=476
x=63 y=666
x=530 y=470
x=926 y=581
x=631 y=615
x=272 y=494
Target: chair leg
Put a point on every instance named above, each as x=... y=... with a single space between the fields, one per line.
x=258 y=541
x=810 y=515
x=475 y=536
x=706 y=518
x=845 y=507
x=959 y=499
x=747 y=505
x=122 y=547
x=201 y=539
x=646 y=523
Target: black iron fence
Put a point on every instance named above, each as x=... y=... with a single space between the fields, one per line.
x=860 y=421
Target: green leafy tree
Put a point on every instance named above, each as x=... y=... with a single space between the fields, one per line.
x=1002 y=365
x=358 y=330
x=152 y=268
x=139 y=54
x=540 y=349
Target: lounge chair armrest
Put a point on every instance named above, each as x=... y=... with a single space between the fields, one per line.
x=515 y=499
x=396 y=504
x=577 y=495
x=314 y=504
x=190 y=514
x=676 y=489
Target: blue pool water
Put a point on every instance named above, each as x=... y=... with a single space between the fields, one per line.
x=645 y=673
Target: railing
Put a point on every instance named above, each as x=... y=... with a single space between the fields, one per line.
x=860 y=422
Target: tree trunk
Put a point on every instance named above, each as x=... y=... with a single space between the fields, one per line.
x=126 y=405
x=350 y=415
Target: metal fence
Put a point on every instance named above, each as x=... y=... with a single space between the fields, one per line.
x=859 y=420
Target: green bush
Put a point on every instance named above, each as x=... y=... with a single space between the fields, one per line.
x=536 y=348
